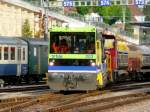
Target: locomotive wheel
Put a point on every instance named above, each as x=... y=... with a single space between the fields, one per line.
x=37 y=79
x=17 y=80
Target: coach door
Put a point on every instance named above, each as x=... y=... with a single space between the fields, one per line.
x=37 y=59
x=19 y=61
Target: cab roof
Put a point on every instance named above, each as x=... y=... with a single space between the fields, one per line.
x=73 y=29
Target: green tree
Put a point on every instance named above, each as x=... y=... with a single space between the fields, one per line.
x=26 y=31
x=146 y=31
x=146 y=11
x=83 y=10
x=110 y=13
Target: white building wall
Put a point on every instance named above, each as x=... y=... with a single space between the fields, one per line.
x=12 y=18
x=140 y=18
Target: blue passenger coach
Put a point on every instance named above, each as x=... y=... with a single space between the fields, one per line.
x=13 y=58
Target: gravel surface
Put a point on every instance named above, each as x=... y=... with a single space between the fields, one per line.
x=6 y=95
x=112 y=94
x=13 y=95
x=142 y=106
x=39 y=107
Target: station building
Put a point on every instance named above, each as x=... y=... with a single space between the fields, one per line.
x=13 y=14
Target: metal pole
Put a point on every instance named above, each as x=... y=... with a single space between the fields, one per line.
x=45 y=2
x=41 y=3
x=124 y=16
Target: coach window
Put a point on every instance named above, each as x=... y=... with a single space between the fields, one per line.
x=12 y=50
x=0 y=53
x=148 y=59
x=5 y=53
x=24 y=54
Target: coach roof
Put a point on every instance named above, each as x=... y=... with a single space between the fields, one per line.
x=36 y=41
x=12 y=40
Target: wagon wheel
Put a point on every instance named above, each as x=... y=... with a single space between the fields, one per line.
x=29 y=80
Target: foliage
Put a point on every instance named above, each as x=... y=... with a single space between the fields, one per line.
x=146 y=11
x=83 y=10
x=26 y=31
x=110 y=13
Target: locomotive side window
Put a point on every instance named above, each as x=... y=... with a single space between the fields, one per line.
x=0 y=53
x=12 y=53
x=147 y=60
x=5 y=53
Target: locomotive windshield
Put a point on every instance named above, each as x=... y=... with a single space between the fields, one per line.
x=72 y=46
x=72 y=43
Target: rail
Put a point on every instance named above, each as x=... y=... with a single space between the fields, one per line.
x=102 y=104
x=57 y=101
x=24 y=88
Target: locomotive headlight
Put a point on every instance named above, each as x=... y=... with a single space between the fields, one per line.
x=51 y=63
x=93 y=64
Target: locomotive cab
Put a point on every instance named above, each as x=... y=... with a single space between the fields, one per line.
x=73 y=59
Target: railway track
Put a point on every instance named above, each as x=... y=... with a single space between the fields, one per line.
x=129 y=86
x=24 y=88
x=60 y=99
x=101 y=104
x=70 y=104
x=5 y=103
x=56 y=102
x=16 y=104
